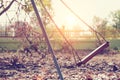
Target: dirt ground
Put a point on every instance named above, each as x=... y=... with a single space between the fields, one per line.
x=17 y=66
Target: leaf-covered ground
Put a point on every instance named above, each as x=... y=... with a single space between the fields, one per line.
x=14 y=66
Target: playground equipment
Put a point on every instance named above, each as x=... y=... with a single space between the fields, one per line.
x=81 y=61
x=84 y=60
x=93 y=53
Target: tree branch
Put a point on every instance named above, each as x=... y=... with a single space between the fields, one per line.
x=1 y=6
x=7 y=7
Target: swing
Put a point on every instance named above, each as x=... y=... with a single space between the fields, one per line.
x=93 y=53
x=98 y=49
x=84 y=60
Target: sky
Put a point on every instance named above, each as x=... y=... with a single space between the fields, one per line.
x=86 y=9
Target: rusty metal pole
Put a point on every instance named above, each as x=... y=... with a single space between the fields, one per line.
x=47 y=39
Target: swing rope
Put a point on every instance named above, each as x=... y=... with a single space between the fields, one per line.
x=73 y=50
x=97 y=50
x=82 y=20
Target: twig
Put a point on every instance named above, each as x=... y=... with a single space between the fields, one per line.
x=7 y=7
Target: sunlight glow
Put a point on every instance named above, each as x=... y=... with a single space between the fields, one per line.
x=86 y=9
x=70 y=22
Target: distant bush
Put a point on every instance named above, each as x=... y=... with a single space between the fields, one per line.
x=115 y=48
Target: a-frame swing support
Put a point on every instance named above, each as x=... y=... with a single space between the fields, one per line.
x=47 y=39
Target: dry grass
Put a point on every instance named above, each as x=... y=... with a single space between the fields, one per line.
x=44 y=69
x=107 y=57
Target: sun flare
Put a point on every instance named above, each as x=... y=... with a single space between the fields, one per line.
x=70 y=22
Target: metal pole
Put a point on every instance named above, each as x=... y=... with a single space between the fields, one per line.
x=47 y=39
